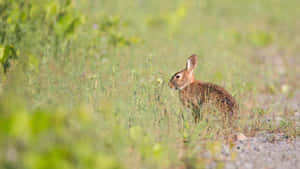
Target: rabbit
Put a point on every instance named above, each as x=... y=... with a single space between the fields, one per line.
x=194 y=93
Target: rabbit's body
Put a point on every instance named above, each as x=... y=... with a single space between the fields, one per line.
x=198 y=93
x=194 y=94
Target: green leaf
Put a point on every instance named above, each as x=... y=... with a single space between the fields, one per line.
x=66 y=24
x=214 y=147
x=136 y=133
x=105 y=161
x=2 y=50
x=33 y=63
x=20 y=125
x=7 y=52
x=260 y=38
x=52 y=9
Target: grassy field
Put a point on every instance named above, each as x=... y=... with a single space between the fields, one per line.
x=87 y=85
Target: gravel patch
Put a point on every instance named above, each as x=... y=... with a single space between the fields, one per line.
x=266 y=151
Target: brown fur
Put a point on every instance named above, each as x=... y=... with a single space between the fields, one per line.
x=194 y=94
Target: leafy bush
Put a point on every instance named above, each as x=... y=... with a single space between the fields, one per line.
x=94 y=76
x=49 y=138
x=7 y=52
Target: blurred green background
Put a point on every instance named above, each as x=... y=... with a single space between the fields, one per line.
x=83 y=83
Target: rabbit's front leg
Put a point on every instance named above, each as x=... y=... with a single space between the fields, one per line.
x=197 y=114
x=197 y=104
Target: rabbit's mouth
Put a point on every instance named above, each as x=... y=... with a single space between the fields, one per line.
x=171 y=85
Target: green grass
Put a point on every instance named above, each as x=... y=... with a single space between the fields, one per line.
x=95 y=94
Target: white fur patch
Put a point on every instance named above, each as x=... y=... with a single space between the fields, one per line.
x=189 y=64
x=182 y=87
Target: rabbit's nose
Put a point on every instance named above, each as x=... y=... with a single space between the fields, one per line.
x=171 y=85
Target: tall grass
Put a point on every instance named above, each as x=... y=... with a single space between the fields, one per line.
x=89 y=86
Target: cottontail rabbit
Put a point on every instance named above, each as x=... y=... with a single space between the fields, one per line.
x=194 y=93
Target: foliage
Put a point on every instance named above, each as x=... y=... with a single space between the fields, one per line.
x=88 y=81
x=49 y=138
x=20 y=14
x=7 y=52
x=259 y=38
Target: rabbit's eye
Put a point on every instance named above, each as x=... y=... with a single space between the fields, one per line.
x=177 y=76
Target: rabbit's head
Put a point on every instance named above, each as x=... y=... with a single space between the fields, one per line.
x=184 y=77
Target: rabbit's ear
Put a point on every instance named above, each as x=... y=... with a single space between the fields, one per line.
x=191 y=63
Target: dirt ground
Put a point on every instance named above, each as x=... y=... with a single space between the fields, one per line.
x=273 y=150
x=266 y=151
